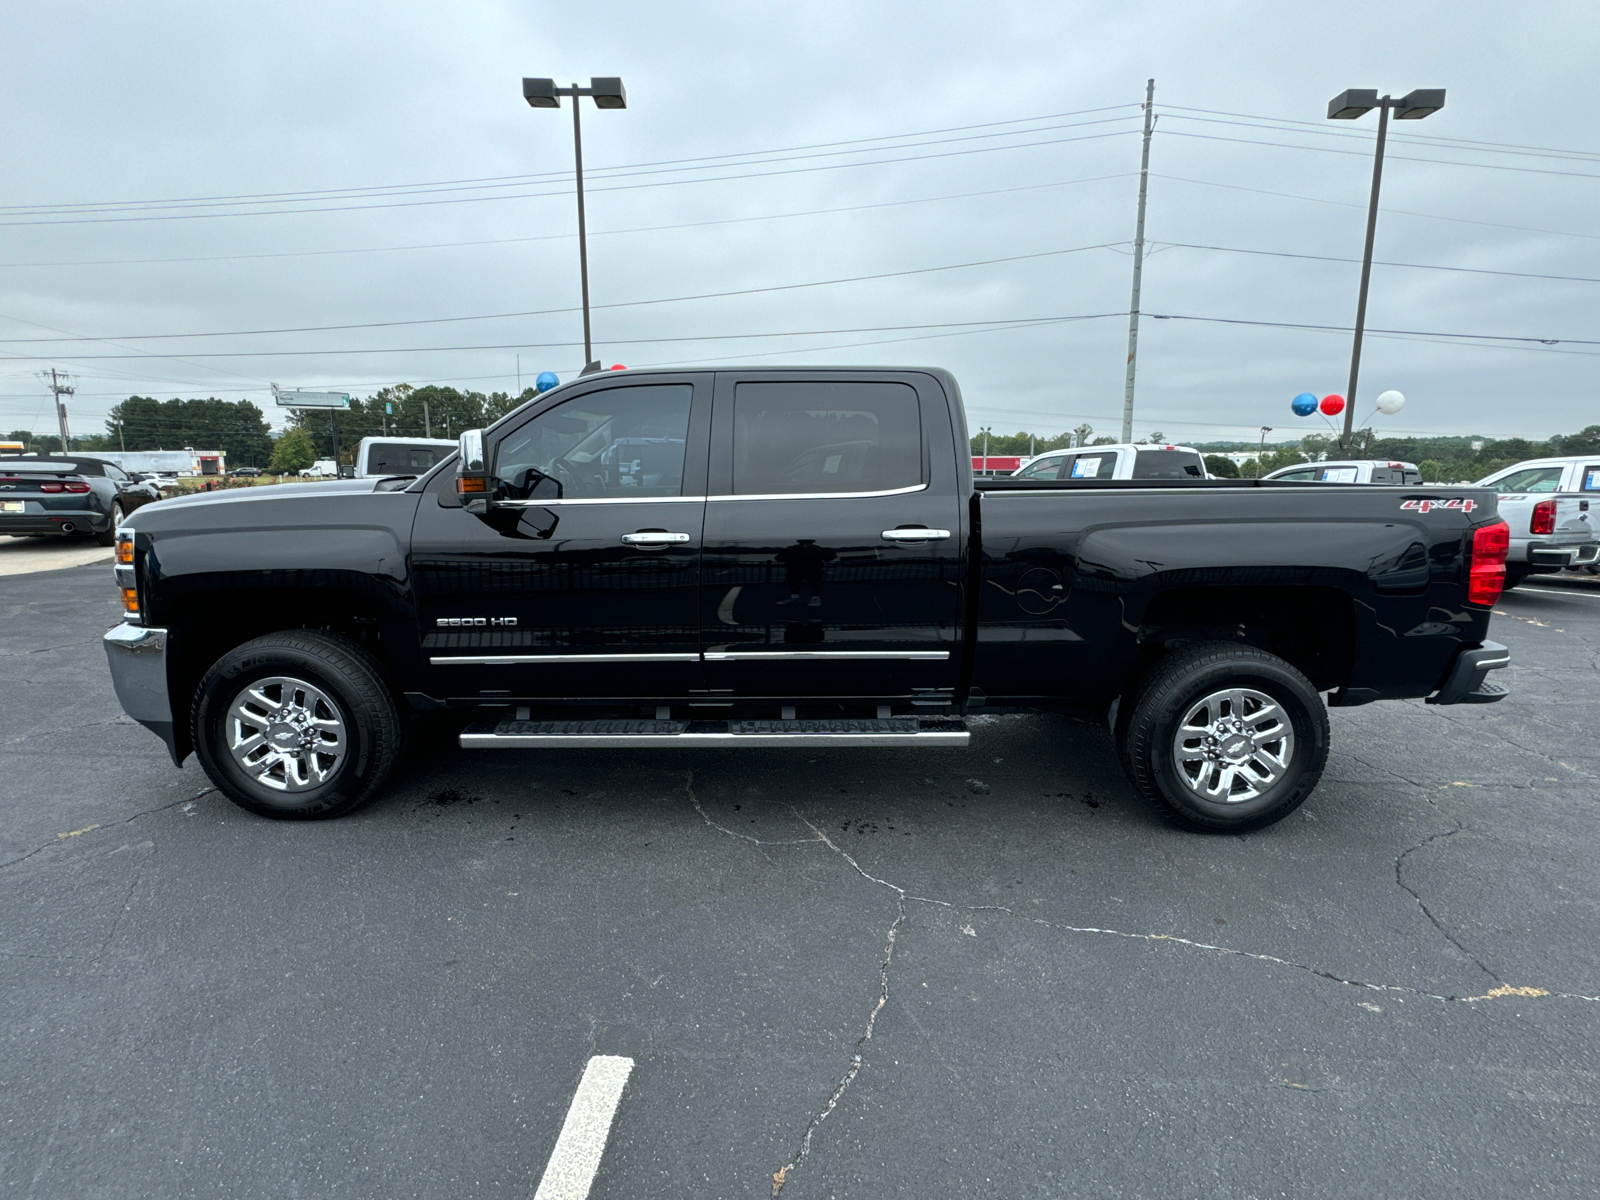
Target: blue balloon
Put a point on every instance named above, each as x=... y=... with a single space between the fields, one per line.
x=1304 y=404
x=549 y=379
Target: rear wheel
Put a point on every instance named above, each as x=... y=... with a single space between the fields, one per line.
x=1225 y=737
x=109 y=537
x=296 y=725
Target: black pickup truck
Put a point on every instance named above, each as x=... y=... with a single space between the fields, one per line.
x=650 y=559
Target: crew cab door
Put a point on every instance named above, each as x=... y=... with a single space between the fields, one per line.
x=582 y=579
x=832 y=561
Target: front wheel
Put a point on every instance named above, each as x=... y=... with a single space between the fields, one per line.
x=1226 y=738
x=296 y=725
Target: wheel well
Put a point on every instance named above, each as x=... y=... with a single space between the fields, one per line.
x=1311 y=627
x=209 y=623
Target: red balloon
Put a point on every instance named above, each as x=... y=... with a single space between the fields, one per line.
x=1332 y=405
x=620 y=367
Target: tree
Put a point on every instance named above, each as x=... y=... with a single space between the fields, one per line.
x=238 y=428
x=294 y=451
x=1104 y=441
x=1221 y=467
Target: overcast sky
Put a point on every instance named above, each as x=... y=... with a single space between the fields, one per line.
x=350 y=107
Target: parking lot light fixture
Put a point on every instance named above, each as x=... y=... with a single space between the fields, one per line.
x=1348 y=106
x=607 y=92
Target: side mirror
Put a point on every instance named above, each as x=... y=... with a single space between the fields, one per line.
x=472 y=473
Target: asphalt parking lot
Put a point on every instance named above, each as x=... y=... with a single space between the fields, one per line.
x=862 y=974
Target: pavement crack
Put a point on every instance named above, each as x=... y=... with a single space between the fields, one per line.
x=61 y=837
x=857 y=1059
x=123 y=911
x=1399 y=878
x=688 y=789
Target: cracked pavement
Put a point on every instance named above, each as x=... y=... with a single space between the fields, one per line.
x=862 y=974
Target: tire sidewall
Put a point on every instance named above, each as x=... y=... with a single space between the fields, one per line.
x=1307 y=719
x=235 y=671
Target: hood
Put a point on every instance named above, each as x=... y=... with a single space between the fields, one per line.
x=271 y=491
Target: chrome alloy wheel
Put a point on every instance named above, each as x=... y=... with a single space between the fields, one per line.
x=1233 y=745
x=286 y=734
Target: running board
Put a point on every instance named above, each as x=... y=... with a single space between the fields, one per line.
x=598 y=735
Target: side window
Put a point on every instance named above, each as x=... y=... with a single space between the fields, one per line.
x=1589 y=478
x=115 y=474
x=619 y=442
x=1530 y=479
x=1342 y=475
x=825 y=437
x=1094 y=466
x=1296 y=476
x=1055 y=467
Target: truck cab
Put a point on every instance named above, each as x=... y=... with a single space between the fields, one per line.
x=1134 y=461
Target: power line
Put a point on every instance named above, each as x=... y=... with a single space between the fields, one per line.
x=555 y=311
x=1404 y=212
x=492 y=180
x=1382 y=263
x=551 y=237
x=193 y=216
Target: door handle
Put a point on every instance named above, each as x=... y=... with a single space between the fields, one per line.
x=654 y=537
x=915 y=535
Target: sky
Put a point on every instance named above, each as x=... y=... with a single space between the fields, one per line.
x=205 y=199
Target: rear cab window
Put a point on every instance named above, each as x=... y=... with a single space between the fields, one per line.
x=1529 y=479
x=1589 y=478
x=1094 y=466
x=1168 y=464
x=819 y=437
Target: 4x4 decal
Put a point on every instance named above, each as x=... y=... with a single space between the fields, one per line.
x=1423 y=506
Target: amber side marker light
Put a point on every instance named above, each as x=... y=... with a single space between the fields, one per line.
x=125 y=551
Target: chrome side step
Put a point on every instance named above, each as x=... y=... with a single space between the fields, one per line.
x=598 y=735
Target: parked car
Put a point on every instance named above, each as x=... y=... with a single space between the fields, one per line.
x=76 y=496
x=1116 y=462
x=1550 y=506
x=245 y=473
x=1353 y=470
x=793 y=558
x=323 y=468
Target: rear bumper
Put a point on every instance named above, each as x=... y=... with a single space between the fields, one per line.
x=52 y=520
x=1468 y=682
x=138 y=658
x=1561 y=558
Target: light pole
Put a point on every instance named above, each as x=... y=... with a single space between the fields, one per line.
x=1262 y=452
x=1347 y=106
x=608 y=93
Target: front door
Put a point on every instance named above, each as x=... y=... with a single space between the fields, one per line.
x=582 y=580
x=832 y=561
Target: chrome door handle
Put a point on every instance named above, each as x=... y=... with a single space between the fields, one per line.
x=653 y=537
x=915 y=535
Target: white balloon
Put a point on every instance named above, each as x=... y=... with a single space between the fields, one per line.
x=1390 y=403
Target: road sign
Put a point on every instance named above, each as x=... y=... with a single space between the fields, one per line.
x=299 y=398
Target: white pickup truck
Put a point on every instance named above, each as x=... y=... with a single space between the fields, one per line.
x=1116 y=462
x=1550 y=505
x=1354 y=470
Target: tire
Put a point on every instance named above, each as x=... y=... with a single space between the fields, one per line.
x=336 y=720
x=109 y=537
x=1260 y=784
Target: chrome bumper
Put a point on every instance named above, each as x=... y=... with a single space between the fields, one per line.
x=138 y=657
x=1563 y=557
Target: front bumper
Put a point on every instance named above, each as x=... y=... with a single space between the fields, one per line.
x=138 y=657
x=1468 y=682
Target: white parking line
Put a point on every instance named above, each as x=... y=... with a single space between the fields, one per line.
x=576 y=1157
x=1560 y=592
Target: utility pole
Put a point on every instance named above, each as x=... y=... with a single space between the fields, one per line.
x=1138 y=262
x=1262 y=453
x=58 y=389
x=427 y=421
x=122 y=442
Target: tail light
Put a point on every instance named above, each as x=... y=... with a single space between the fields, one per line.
x=70 y=485
x=1544 y=517
x=1486 y=567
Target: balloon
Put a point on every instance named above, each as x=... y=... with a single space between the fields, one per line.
x=618 y=367
x=1332 y=405
x=546 y=381
x=1304 y=404
x=1390 y=403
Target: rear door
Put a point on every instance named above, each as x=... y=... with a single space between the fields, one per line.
x=832 y=560
x=582 y=580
